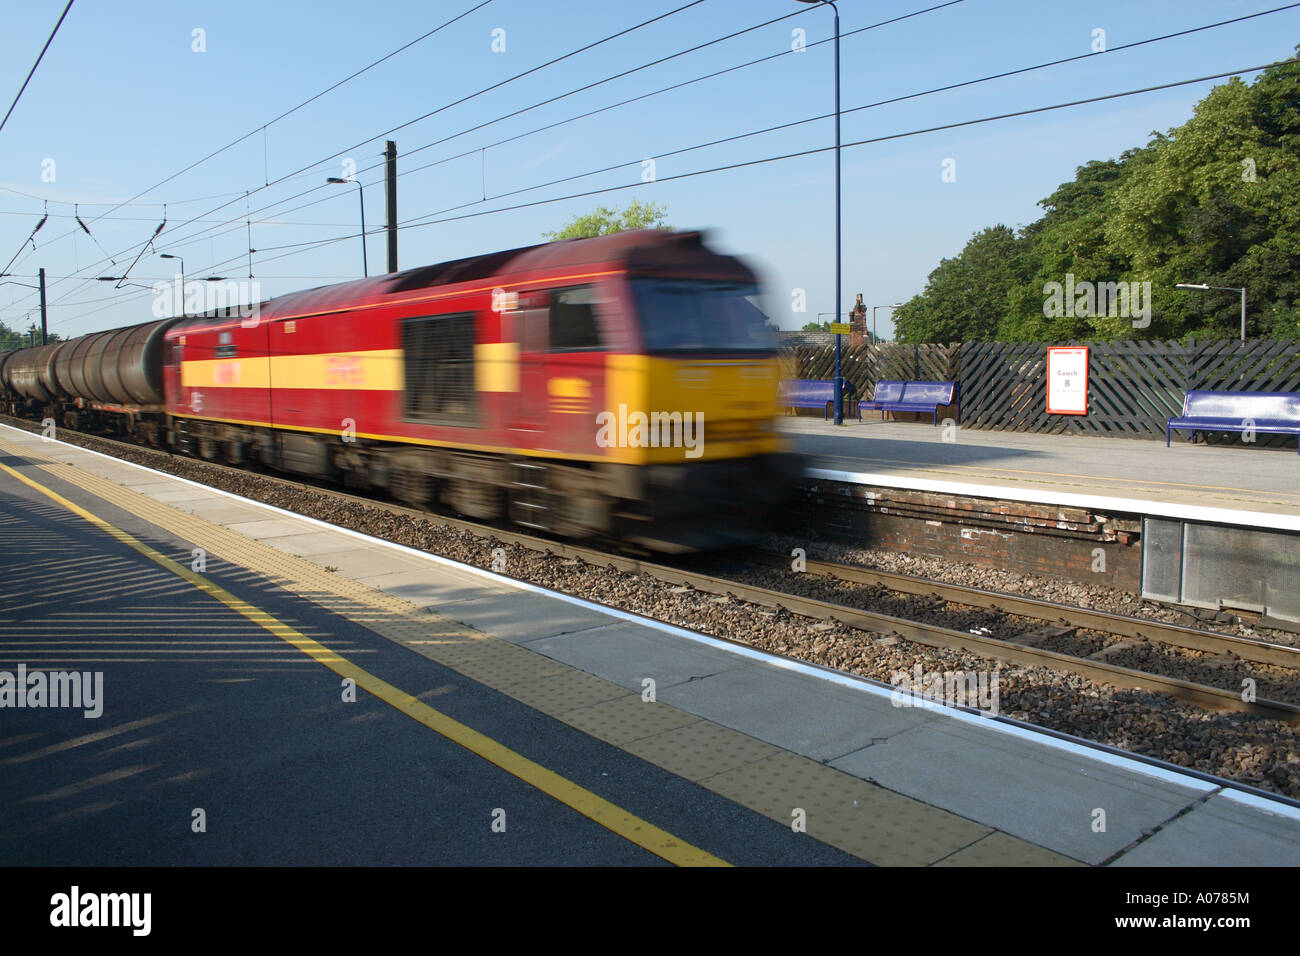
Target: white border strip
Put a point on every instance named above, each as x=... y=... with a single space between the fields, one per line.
x=1159 y=509
x=799 y=667
x=1261 y=803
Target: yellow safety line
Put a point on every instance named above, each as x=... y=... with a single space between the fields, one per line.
x=612 y=817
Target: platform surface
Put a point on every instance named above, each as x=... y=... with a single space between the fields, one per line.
x=205 y=707
x=1238 y=478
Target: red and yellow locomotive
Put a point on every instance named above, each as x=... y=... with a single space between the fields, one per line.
x=623 y=386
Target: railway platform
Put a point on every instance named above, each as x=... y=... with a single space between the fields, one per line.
x=490 y=720
x=1214 y=526
x=1259 y=482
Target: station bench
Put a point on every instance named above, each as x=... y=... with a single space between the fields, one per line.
x=910 y=397
x=1275 y=413
x=795 y=393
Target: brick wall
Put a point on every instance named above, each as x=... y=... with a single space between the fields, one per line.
x=1026 y=538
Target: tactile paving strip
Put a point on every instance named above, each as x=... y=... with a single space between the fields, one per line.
x=861 y=818
x=624 y=719
x=701 y=750
x=1001 y=849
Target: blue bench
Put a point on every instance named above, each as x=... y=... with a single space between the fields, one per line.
x=910 y=397
x=1276 y=413
x=795 y=393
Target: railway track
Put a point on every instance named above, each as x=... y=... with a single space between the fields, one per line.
x=1021 y=649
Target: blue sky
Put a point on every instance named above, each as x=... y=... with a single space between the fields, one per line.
x=122 y=101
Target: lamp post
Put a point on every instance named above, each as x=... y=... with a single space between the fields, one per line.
x=365 y=268
x=168 y=255
x=1222 y=288
x=895 y=305
x=839 y=379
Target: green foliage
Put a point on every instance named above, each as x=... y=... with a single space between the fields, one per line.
x=816 y=327
x=1214 y=201
x=605 y=221
x=965 y=296
x=12 y=339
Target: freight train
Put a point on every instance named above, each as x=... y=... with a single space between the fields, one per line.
x=621 y=387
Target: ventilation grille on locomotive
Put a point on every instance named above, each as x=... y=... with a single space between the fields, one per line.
x=439 y=354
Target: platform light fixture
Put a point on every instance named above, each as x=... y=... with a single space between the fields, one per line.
x=839 y=378
x=361 y=193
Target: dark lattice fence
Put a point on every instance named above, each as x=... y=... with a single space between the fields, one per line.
x=1134 y=387
x=865 y=365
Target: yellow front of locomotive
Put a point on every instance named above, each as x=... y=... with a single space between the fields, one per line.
x=693 y=412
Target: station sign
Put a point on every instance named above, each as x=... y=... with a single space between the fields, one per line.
x=1067 y=380
x=840 y=328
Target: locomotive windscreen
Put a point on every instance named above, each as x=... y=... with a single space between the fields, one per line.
x=679 y=315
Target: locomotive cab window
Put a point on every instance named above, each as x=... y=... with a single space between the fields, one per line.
x=573 y=320
x=438 y=353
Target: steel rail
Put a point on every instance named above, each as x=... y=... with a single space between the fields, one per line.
x=1214 y=642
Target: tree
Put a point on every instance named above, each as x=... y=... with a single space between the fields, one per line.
x=12 y=339
x=1212 y=201
x=816 y=327
x=605 y=221
x=965 y=297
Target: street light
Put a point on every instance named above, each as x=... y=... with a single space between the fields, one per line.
x=839 y=379
x=873 y=318
x=1222 y=288
x=168 y=255
x=365 y=268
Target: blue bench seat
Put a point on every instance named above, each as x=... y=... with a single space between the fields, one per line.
x=795 y=393
x=1273 y=413
x=910 y=397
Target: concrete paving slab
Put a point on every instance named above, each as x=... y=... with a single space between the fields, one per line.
x=1035 y=791
x=1221 y=832
x=798 y=712
x=177 y=493
x=522 y=616
x=151 y=486
x=629 y=653
x=223 y=511
x=435 y=585
x=310 y=542
x=361 y=559
x=264 y=527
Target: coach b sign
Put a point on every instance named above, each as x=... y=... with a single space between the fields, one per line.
x=1067 y=380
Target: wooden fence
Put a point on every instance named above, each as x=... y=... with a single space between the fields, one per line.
x=1134 y=387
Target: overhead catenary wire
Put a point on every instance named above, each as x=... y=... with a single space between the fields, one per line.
x=310 y=99
x=584 y=48
x=812 y=119
x=995 y=76
x=743 y=135
x=230 y=222
x=32 y=71
x=419 y=222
